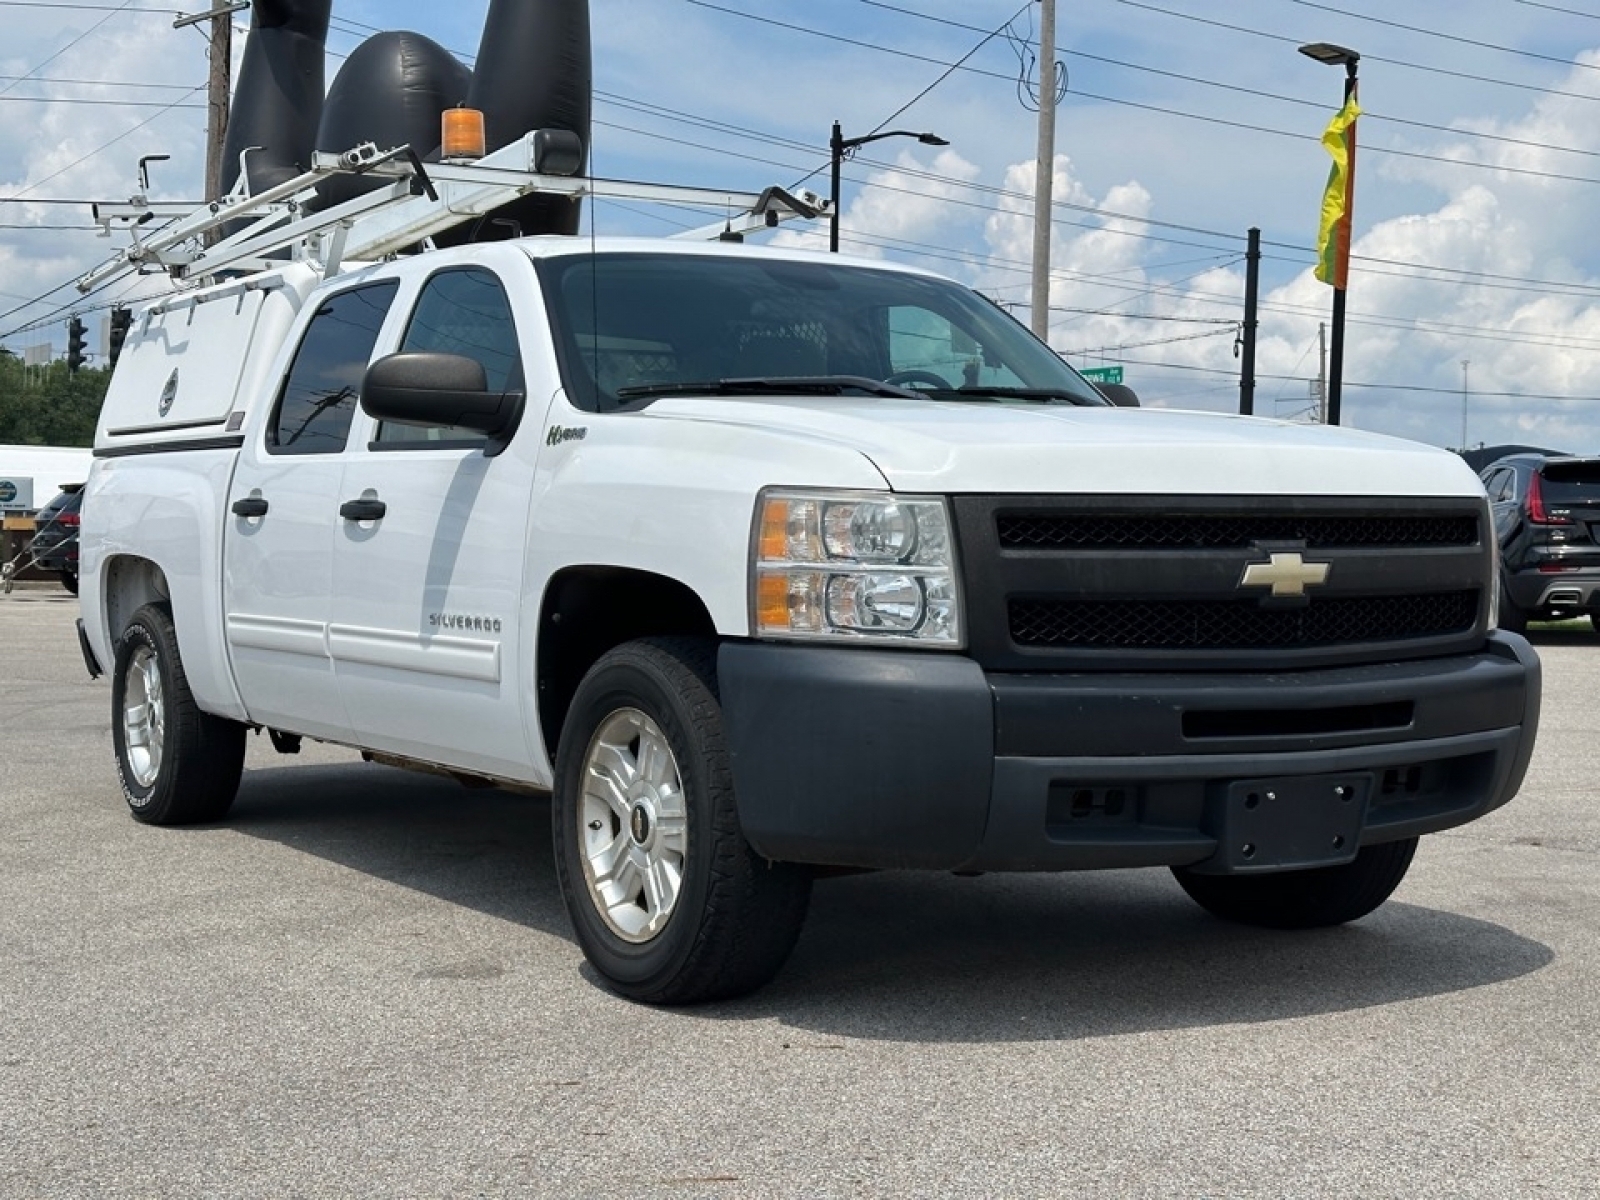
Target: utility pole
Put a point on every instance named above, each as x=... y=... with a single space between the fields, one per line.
x=219 y=83
x=1465 y=363
x=1044 y=174
x=1322 y=372
x=218 y=90
x=1252 y=285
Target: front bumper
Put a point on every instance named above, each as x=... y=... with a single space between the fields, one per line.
x=872 y=758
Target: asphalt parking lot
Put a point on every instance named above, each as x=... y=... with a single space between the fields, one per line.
x=363 y=985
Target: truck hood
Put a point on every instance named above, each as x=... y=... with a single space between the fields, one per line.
x=953 y=447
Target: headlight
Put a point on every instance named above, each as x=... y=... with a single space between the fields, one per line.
x=855 y=565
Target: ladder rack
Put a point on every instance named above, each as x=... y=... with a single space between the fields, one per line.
x=415 y=203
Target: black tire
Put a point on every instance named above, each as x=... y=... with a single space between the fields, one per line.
x=734 y=916
x=194 y=774
x=1310 y=899
x=1512 y=618
x=69 y=580
x=1594 y=620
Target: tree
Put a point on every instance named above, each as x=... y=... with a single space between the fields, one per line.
x=49 y=406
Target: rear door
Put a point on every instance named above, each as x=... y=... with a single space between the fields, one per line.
x=284 y=514
x=426 y=628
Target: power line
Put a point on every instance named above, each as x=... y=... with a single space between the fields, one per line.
x=1572 y=12
x=97 y=150
x=1156 y=108
x=1285 y=39
x=124 y=83
x=1186 y=337
x=34 y=70
x=96 y=103
x=1369 y=263
x=1388 y=387
x=1448 y=37
x=1256 y=93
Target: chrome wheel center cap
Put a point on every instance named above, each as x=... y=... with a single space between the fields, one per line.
x=641 y=824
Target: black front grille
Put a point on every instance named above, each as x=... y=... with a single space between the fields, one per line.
x=1111 y=531
x=1238 y=624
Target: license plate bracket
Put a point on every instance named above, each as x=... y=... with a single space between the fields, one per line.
x=1288 y=823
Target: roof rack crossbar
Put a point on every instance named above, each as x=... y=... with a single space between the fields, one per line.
x=418 y=203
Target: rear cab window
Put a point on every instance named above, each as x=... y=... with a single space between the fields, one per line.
x=323 y=387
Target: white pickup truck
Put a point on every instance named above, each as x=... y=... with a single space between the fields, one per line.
x=759 y=562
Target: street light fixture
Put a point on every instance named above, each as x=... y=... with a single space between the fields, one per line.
x=1336 y=56
x=842 y=147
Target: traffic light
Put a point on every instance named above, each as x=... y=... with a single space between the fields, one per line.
x=121 y=319
x=75 y=354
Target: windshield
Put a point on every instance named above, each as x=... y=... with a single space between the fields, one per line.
x=629 y=326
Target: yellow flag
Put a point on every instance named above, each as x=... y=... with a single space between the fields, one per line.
x=1333 y=239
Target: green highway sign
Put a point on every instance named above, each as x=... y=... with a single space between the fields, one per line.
x=1101 y=374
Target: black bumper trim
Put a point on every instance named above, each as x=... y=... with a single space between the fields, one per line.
x=871 y=758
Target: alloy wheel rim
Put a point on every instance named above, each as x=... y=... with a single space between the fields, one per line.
x=144 y=717
x=633 y=825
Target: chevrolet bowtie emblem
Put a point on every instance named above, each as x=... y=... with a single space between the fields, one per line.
x=1285 y=574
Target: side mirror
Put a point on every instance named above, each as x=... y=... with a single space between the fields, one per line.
x=440 y=389
x=1119 y=394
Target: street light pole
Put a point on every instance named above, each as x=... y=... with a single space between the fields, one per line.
x=841 y=147
x=1332 y=55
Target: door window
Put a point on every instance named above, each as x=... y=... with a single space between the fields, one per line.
x=319 y=396
x=463 y=311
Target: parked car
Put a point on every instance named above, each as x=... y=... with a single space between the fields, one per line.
x=55 y=540
x=1547 y=519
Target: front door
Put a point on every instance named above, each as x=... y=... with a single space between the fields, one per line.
x=426 y=630
x=283 y=517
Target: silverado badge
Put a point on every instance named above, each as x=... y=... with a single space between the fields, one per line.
x=1285 y=574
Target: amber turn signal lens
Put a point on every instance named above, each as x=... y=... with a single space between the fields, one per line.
x=772 y=602
x=774 y=531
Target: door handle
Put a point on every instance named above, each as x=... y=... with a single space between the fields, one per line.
x=363 y=510
x=250 y=506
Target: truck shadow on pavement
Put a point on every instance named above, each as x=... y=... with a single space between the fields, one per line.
x=481 y=848
x=902 y=957
x=917 y=956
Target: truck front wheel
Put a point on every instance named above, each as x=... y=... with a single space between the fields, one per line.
x=668 y=901
x=1310 y=899
x=177 y=765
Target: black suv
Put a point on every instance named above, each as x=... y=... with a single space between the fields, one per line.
x=55 y=540
x=1547 y=519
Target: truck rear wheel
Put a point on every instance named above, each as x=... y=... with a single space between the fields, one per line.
x=668 y=901
x=1310 y=899
x=177 y=765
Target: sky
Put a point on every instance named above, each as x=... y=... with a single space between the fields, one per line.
x=1474 y=295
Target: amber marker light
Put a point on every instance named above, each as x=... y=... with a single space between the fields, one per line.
x=774 y=541
x=772 y=602
x=461 y=136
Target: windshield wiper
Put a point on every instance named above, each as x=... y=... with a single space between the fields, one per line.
x=821 y=385
x=979 y=391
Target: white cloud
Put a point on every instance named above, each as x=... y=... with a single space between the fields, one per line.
x=53 y=149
